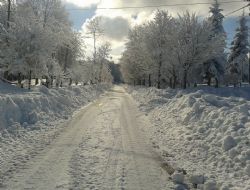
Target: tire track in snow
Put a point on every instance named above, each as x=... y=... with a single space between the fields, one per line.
x=102 y=148
x=50 y=168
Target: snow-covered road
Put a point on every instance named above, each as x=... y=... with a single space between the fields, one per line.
x=103 y=147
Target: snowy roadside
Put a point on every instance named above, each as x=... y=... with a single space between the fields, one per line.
x=204 y=131
x=30 y=120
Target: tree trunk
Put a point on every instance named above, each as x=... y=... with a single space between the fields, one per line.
x=159 y=73
x=100 y=73
x=249 y=68
x=149 y=80
x=139 y=82
x=171 y=82
x=185 y=79
x=216 y=83
x=174 y=78
x=47 y=82
x=174 y=83
x=94 y=36
x=19 y=79
x=66 y=58
x=144 y=82
x=29 y=85
x=209 y=80
x=8 y=16
x=36 y=82
x=51 y=81
x=57 y=83
x=5 y=74
x=242 y=73
x=70 y=82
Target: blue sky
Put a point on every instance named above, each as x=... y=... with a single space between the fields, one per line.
x=119 y=21
x=79 y=17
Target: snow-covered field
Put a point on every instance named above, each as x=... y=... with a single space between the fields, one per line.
x=204 y=131
x=30 y=120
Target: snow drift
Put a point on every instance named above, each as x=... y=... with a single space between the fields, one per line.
x=31 y=120
x=205 y=131
x=20 y=107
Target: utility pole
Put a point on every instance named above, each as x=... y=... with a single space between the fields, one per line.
x=248 y=47
x=8 y=12
x=6 y=73
x=94 y=36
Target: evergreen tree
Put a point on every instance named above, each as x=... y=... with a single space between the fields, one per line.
x=214 y=68
x=216 y=18
x=239 y=49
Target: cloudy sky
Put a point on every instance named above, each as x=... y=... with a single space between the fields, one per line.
x=117 y=22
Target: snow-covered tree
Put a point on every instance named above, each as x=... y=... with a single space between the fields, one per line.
x=158 y=39
x=30 y=44
x=144 y=60
x=238 y=58
x=169 y=50
x=214 y=67
x=39 y=41
x=6 y=17
x=136 y=62
x=94 y=28
x=192 y=46
x=103 y=54
x=216 y=18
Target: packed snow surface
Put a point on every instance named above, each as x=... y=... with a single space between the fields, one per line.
x=204 y=131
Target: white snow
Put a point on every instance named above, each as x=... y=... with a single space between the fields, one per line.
x=31 y=120
x=205 y=131
x=101 y=147
x=25 y=108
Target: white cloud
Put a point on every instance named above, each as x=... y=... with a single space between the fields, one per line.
x=116 y=22
x=115 y=28
x=83 y=3
x=201 y=9
x=115 y=32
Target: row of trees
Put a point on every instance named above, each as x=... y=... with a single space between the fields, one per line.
x=37 y=42
x=182 y=51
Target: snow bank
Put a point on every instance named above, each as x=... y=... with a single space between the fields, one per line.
x=31 y=120
x=206 y=131
x=26 y=108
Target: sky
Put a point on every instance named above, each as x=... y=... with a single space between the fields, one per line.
x=116 y=23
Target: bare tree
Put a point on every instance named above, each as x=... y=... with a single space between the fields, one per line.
x=95 y=30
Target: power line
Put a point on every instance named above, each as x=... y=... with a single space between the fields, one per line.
x=153 y=6
x=237 y=10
